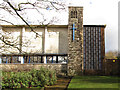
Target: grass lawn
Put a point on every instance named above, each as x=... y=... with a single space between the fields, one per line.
x=95 y=82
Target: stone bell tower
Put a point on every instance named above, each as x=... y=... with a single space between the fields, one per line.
x=75 y=40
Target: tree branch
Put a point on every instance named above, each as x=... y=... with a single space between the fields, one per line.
x=23 y=19
x=7 y=43
x=6 y=21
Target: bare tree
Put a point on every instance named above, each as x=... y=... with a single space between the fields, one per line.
x=111 y=55
x=18 y=11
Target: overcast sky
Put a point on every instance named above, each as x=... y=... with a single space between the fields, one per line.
x=96 y=12
x=102 y=12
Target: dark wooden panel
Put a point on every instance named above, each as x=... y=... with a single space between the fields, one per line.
x=102 y=47
x=94 y=47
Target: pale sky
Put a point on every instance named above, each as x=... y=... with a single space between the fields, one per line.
x=102 y=12
x=95 y=12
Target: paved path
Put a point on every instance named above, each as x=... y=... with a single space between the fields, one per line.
x=61 y=84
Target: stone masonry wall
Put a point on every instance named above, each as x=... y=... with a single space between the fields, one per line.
x=75 y=51
x=59 y=68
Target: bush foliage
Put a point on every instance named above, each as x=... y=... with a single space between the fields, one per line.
x=33 y=78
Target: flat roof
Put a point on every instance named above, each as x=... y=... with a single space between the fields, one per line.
x=94 y=25
x=35 y=26
x=75 y=6
x=50 y=26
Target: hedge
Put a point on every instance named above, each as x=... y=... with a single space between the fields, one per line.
x=33 y=78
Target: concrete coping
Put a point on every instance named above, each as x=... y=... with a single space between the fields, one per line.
x=35 y=64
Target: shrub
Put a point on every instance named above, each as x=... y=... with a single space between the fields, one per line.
x=33 y=78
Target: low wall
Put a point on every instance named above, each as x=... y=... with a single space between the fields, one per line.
x=93 y=72
x=112 y=67
x=59 y=68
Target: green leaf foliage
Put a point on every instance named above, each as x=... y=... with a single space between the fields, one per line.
x=33 y=78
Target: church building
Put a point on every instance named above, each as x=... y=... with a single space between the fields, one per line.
x=74 y=47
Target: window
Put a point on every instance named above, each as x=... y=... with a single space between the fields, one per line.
x=73 y=14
